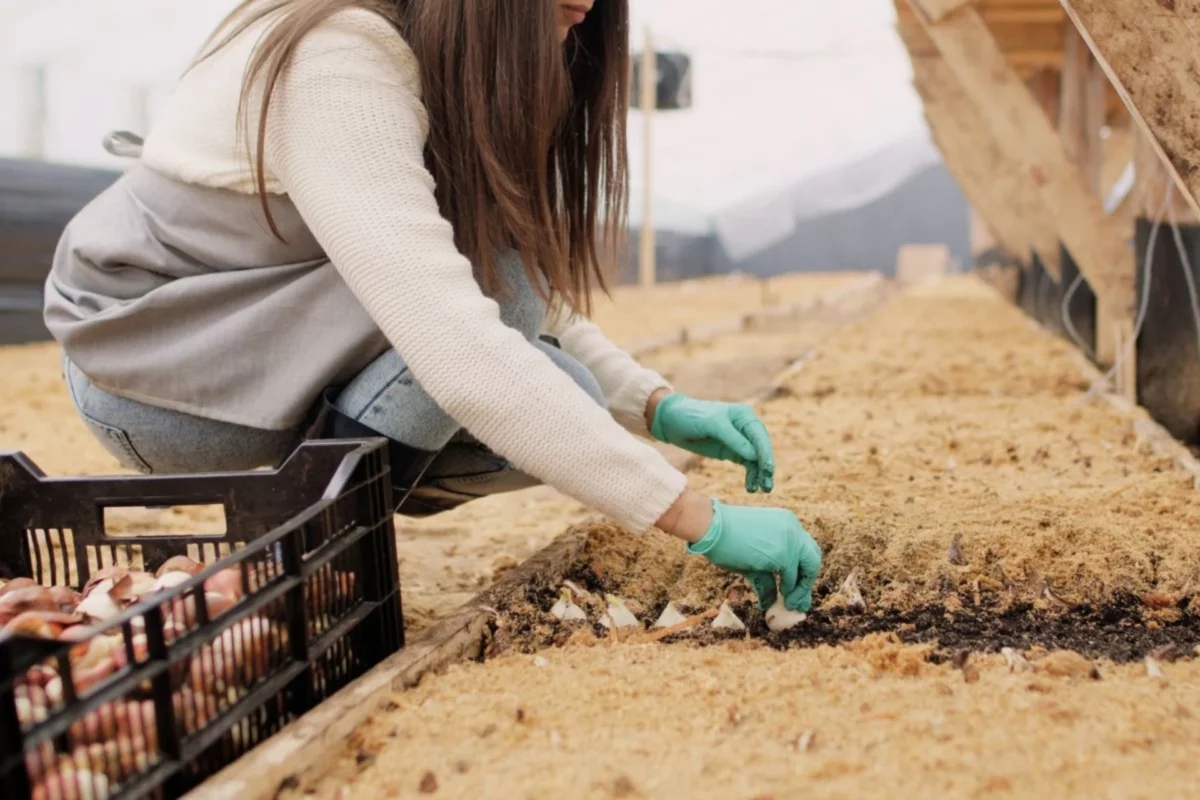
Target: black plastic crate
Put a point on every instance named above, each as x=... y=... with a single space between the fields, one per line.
x=312 y=545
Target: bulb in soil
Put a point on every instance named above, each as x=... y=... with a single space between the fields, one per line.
x=565 y=609
x=1016 y=662
x=670 y=617
x=780 y=618
x=853 y=595
x=618 y=615
x=727 y=620
x=578 y=590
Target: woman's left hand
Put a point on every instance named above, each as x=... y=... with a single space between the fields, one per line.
x=726 y=431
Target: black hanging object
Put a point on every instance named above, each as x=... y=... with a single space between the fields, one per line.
x=674 y=81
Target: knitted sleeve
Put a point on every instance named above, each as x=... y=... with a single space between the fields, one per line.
x=627 y=385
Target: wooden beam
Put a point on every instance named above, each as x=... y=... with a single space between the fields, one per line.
x=1026 y=135
x=1096 y=104
x=980 y=234
x=1022 y=15
x=1044 y=85
x=1004 y=228
x=1079 y=129
x=1030 y=38
x=993 y=181
x=1150 y=50
x=1073 y=100
x=1007 y=228
x=936 y=10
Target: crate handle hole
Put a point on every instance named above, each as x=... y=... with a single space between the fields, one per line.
x=192 y=521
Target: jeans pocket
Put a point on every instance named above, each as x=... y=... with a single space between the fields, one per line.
x=116 y=442
x=114 y=439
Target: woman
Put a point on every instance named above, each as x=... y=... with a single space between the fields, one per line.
x=361 y=217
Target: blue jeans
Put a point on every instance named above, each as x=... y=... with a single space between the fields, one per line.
x=384 y=397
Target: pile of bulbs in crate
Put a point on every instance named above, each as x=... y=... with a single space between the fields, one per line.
x=119 y=739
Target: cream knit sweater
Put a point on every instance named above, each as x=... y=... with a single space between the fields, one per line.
x=344 y=142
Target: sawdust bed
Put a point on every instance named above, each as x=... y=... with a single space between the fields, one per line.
x=940 y=453
x=976 y=501
x=868 y=719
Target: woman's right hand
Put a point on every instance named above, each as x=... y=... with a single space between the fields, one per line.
x=758 y=543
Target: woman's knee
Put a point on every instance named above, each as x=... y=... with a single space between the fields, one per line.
x=521 y=305
x=387 y=398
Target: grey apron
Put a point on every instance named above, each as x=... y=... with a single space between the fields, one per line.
x=179 y=296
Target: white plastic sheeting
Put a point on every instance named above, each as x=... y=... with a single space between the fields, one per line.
x=790 y=95
x=802 y=108
x=753 y=225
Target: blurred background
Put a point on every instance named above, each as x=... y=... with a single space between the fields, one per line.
x=786 y=135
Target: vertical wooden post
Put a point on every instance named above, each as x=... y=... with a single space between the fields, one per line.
x=1096 y=117
x=1079 y=125
x=1045 y=88
x=32 y=111
x=1072 y=107
x=649 y=93
x=980 y=235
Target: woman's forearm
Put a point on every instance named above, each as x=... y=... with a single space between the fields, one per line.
x=689 y=517
x=652 y=406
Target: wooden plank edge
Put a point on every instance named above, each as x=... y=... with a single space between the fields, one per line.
x=707 y=331
x=1147 y=430
x=308 y=743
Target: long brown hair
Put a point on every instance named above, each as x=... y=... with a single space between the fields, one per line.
x=526 y=135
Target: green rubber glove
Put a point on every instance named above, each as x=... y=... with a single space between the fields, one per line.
x=760 y=543
x=726 y=431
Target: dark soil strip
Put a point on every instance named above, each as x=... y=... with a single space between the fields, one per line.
x=1117 y=631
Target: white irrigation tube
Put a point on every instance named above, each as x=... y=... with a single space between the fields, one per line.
x=1072 y=331
x=1106 y=381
